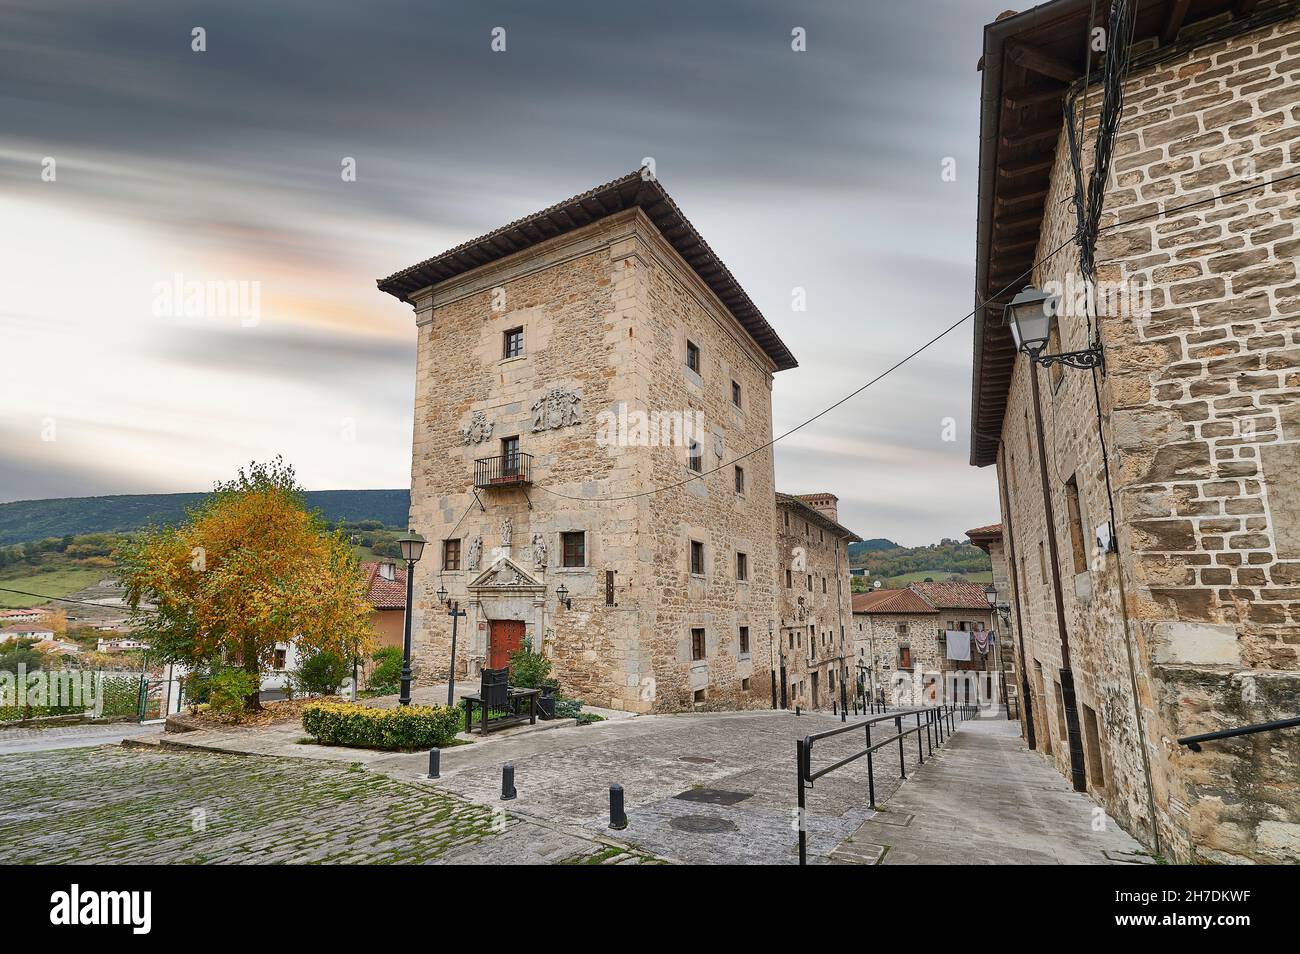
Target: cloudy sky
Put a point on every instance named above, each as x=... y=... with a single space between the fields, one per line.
x=818 y=170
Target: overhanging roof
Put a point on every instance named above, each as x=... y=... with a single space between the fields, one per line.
x=1029 y=61
x=629 y=192
x=813 y=515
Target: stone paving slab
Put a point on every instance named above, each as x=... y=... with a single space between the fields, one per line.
x=45 y=738
x=987 y=799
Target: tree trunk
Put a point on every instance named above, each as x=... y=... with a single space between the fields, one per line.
x=252 y=701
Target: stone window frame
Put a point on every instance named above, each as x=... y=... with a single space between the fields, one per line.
x=565 y=536
x=508 y=337
x=694 y=362
x=699 y=644
x=742 y=566
x=697 y=548
x=451 y=553
x=742 y=640
x=740 y=481
x=737 y=394
x=789 y=578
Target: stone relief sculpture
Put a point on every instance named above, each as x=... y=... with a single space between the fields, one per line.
x=801 y=613
x=475 y=553
x=539 y=552
x=478 y=430
x=558 y=407
x=507 y=531
x=717 y=446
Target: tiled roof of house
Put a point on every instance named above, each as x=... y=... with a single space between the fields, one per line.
x=992 y=530
x=385 y=594
x=891 y=601
x=633 y=190
x=813 y=515
x=952 y=595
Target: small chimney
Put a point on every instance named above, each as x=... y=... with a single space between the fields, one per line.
x=387 y=571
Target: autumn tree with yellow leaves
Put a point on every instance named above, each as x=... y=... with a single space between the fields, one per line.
x=250 y=567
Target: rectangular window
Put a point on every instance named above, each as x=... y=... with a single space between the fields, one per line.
x=735 y=394
x=904 y=656
x=697 y=645
x=744 y=639
x=697 y=558
x=509 y=456
x=699 y=695
x=742 y=566
x=740 y=479
x=744 y=685
x=573 y=543
x=1077 y=544
x=695 y=457
x=823 y=584
x=1042 y=560
x=809 y=582
x=902 y=629
x=693 y=356
x=789 y=580
x=513 y=343
x=280 y=656
x=451 y=554
x=787 y=520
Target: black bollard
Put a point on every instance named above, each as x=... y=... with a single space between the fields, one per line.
x=617 y=817
x=435 y=756
x=508 y=782
x=796 y=711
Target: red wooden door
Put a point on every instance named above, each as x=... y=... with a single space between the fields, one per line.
x=504 y=637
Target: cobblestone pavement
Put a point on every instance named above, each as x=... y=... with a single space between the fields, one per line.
x=33 y=739
x=126 y=806
x=708 y=788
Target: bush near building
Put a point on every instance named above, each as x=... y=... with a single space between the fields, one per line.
x=362 y=727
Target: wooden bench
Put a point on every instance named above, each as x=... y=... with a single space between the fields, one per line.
x=495 y=695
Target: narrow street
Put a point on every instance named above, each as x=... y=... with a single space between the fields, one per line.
x=987 y=799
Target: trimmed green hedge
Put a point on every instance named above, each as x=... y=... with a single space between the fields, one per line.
x=363 y=727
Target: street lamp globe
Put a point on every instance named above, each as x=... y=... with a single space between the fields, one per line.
x=1029 y=316
x=442 y=595
x=991 y=594
x=411 y=545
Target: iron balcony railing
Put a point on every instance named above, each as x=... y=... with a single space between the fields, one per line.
x=504 y=470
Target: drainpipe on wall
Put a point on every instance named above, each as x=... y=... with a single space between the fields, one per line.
x=1078 y=775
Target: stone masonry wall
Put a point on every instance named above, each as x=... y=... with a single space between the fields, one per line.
x=603 y=309
x=815 y=609
x=1203 y=430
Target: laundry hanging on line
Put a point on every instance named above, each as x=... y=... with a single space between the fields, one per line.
x=958 y=645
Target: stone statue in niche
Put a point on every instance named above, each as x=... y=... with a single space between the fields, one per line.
x=478 y=430
x=558 y=407
x=507 y=531
x=539 y=552
x=801 y=613
x=475 y=553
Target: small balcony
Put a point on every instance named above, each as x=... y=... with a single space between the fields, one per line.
x=505 y=470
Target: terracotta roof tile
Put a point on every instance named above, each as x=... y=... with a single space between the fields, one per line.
x=385 y=594
x=951 y=595
x=891 y=601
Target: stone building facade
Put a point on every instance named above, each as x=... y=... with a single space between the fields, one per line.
x=989 y=539
x=1156 y=577
x=585 y=377
x=814 y=607
x=903 y=633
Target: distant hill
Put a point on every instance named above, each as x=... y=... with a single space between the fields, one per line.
x=868 y=546
x=28 y=520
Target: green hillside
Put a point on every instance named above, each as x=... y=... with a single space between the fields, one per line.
x=24 y=521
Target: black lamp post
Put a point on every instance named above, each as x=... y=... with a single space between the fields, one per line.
x=562 y=597
x=412 y=547
x=455 y=612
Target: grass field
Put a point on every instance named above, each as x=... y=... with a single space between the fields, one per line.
x=58 y=582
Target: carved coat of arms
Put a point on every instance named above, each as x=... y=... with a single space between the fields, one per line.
x=558 y=407
x=478 y=430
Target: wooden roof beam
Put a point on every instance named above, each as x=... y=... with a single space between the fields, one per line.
x=1019 y=97
x=1035 y=60
x=1174 y=22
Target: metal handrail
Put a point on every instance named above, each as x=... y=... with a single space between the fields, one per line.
x=1193 y=742
x=935 y=719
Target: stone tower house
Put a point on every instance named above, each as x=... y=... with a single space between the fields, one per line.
x=585 y=377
